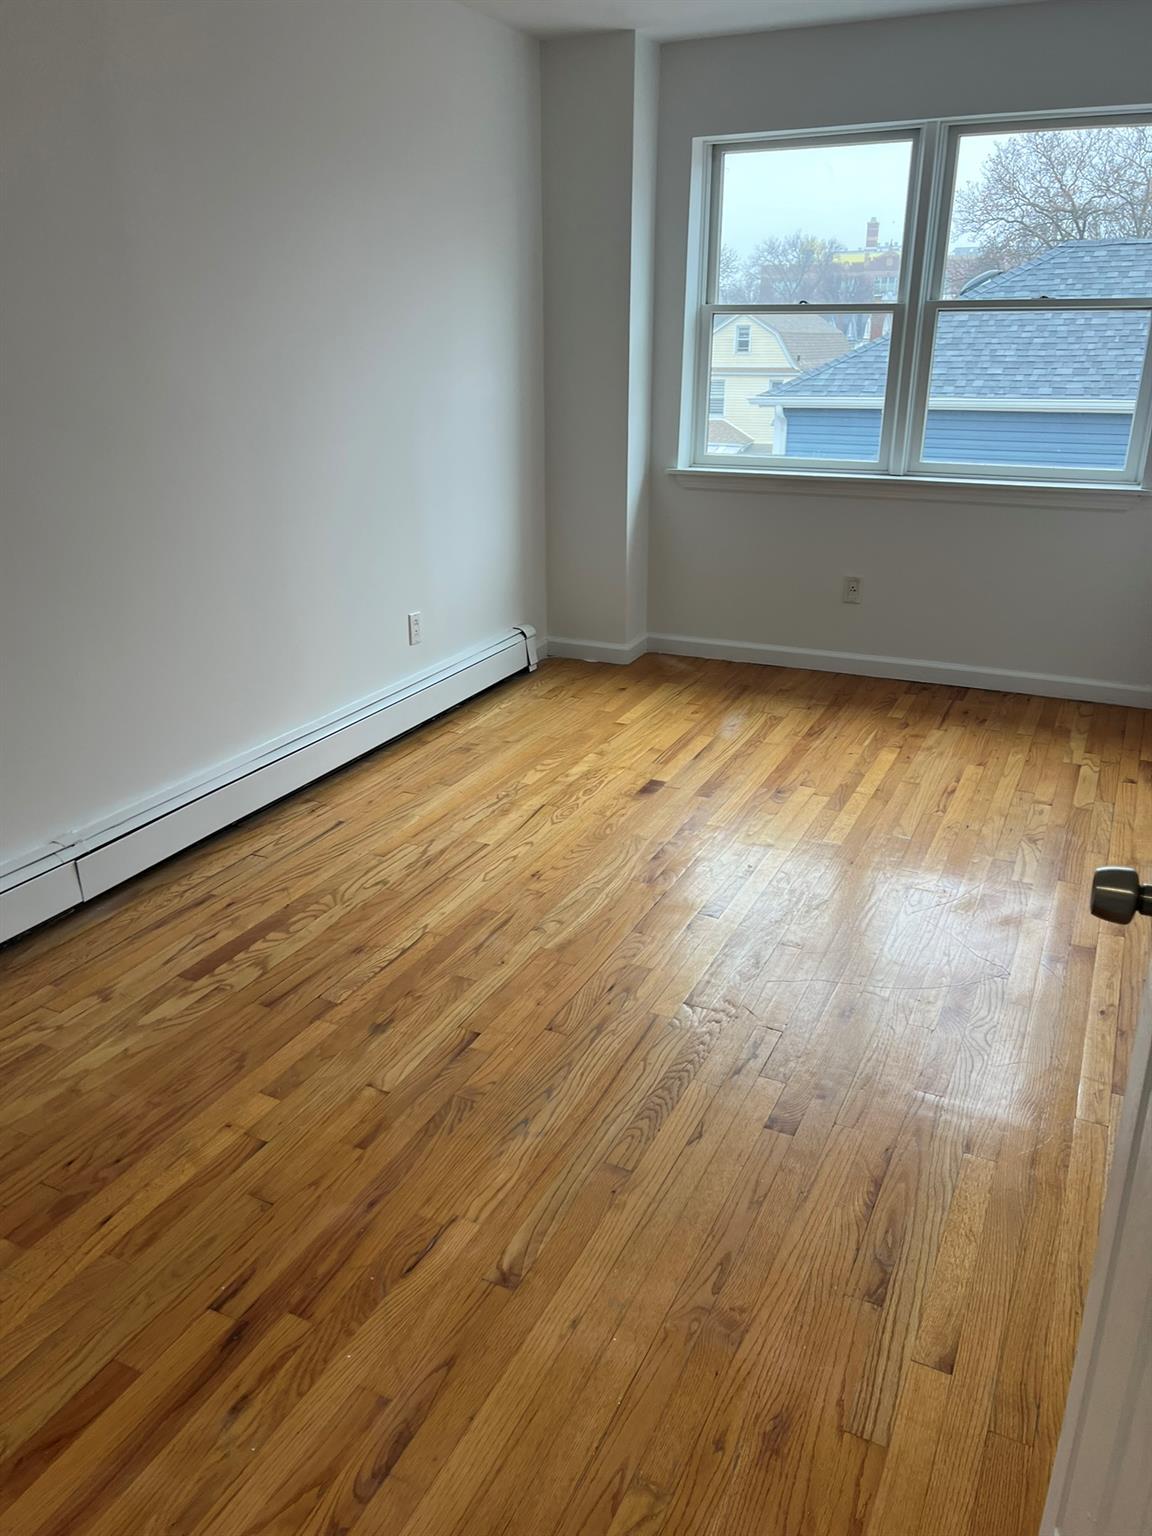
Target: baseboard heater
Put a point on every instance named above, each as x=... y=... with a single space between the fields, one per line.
x=68 y=874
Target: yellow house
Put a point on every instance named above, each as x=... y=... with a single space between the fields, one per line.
x=751 y=352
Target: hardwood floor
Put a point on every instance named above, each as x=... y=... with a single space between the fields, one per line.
x=673 y=1098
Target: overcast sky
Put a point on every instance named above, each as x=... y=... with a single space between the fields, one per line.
x=830 y=192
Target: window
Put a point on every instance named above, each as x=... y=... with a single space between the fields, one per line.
x=964 y=300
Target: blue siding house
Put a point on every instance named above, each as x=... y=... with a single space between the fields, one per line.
x=1046 y=387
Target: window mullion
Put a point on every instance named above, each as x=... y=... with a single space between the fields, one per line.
x=889 y=425
x=910 y=366
x=1137 y=464
x=1137 y=467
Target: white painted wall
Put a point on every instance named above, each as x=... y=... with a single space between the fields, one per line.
x=645 y=139
x=599 y=136
x=231 y=459
x=1032 y=590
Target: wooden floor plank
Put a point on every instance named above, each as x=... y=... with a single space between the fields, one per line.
x=673 y=1098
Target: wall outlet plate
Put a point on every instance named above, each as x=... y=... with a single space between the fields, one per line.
x=415 y=628
x=852 y=585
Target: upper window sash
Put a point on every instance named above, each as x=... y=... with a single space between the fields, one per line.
x=723 y=151
x=952 y=135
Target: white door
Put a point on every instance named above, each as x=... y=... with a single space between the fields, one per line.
x=1102 y=1478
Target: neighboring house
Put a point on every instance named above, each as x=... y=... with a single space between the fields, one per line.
x=751 y=353
x=1015 y=388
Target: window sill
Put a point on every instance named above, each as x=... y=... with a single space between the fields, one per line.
x=1080 y=497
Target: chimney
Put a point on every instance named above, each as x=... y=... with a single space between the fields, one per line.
x=872 y=239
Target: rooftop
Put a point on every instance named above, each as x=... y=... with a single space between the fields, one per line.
x=808 y=339
x=1019 y=355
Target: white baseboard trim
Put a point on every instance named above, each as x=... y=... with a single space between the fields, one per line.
x=902 y=668
x=908 y=669
x=53 y=879
x=597 y=650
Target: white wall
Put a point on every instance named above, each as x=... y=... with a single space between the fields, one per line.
x=1065 y=592
x=232 y=457
x=599 y=136
x=645 y=139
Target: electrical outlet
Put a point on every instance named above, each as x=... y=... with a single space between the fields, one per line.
x=416 y=628
x=852 y=585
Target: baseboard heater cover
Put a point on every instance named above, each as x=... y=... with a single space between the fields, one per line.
x=67 y=877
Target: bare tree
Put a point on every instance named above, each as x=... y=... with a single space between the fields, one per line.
x=800 y=268
x=1132 y=184
x=735 y=285
x=1037 y=190
x=788 y=269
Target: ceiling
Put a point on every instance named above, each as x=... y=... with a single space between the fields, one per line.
x=702 y=18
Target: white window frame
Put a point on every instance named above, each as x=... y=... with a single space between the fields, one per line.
x=718 y=383
x=913 y=310
x=743 y=341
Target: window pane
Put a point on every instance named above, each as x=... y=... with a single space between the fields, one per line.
x=1052 y=214
x=1050 y=388
x=821 y=224
x=809 y=386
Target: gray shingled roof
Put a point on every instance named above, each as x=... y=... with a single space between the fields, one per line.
x=721 y=431
x=1023 y=355
x=809 y=344
x=1082 y=269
